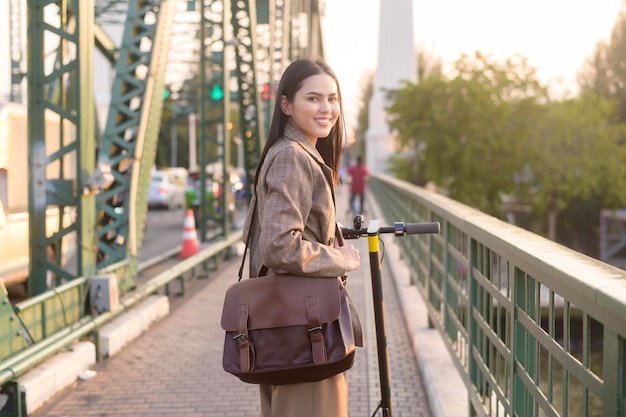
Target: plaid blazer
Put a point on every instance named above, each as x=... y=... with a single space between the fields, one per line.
x=295 y=221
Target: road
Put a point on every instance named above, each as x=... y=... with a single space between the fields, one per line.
x=163 y=234
x=164 y=229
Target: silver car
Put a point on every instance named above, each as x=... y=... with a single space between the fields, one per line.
x=165 y=191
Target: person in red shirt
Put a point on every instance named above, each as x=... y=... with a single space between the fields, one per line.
x=359 y=176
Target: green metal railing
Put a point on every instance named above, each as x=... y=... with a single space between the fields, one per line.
x=535 y=329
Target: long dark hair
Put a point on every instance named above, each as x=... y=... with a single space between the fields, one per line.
x=290 y=82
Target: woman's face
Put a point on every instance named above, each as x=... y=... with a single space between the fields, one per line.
x=315 y=107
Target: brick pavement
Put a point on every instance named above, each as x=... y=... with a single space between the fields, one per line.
x=175 y=369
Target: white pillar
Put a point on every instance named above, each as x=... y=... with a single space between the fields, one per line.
x=193 y=158
x=397 y=61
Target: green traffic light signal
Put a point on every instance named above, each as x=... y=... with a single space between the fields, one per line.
x=166 y=93
x=217 y=93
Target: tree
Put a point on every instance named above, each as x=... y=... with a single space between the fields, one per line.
x=575 y=154
x=403 y=165
x=491 y=131
x=464 y=133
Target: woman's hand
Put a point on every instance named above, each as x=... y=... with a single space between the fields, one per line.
x=351 y=256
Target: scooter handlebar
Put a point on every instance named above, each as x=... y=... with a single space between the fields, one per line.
x=398 y=229
x=420 y=228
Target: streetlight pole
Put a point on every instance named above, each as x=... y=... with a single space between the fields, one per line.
x=193 y=146
x=174 y=143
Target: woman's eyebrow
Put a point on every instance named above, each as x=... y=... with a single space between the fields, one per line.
x=316 y=93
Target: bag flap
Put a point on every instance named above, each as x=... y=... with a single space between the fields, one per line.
x=280 y=300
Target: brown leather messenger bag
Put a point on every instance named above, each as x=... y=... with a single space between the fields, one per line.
x=286 y=329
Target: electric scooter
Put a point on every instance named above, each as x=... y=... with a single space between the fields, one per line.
x=372 y=232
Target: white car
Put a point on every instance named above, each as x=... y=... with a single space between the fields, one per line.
x=165 y=191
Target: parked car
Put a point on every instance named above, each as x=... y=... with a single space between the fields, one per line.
x=166 y=191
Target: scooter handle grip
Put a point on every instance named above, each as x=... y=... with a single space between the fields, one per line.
x=421 y=228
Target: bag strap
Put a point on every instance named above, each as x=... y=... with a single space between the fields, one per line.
x=243 y=258
x=316 y=336
x=246 y=348
x=263 y=270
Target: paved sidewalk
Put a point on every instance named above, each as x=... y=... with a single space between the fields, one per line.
x=175 y=368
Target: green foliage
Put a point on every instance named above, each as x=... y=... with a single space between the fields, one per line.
x=575 y=155
x=464 y=132
x=575 y=149
x=491 y=131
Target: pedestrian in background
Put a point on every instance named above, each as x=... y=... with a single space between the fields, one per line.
x=359 y=176
x=293 y=228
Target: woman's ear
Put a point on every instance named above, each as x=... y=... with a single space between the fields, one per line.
x=285 y=105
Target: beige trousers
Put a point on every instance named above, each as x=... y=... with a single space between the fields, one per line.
x=326 y=398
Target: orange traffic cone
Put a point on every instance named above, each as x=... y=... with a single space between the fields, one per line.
x=190 y=238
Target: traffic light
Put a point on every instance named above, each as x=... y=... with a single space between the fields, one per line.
x=217 y=93
x=266 y=92
x=166 y=93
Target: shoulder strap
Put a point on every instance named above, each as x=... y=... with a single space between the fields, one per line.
x=263 y=270
x=243 y=259
x=245 y=251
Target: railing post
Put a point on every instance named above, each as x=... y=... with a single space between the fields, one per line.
x=614 y=373
x=523 y=347
x=472 y=328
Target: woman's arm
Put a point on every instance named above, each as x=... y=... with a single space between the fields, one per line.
x=289 y=183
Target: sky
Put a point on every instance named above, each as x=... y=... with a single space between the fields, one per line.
x=555 y=35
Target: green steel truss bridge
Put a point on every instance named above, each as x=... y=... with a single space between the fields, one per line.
x=101 y=173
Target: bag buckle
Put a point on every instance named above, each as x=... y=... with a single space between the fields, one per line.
x=239 y=336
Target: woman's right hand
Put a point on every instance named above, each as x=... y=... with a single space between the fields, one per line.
x=351 y=256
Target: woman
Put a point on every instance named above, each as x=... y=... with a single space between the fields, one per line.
x=292 y=230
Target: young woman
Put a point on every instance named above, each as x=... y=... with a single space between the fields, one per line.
x=292 y=230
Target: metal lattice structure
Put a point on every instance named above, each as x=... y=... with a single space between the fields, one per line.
x=16 y=48
x=250 y=110
x=230 y=59
x=128 y=142
x=60 y=169
x=214 y=105
x=130 y=136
